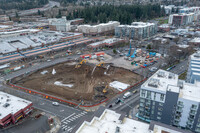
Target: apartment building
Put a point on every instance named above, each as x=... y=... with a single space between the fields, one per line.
x=166 y=99
x=136 y=31
x=60 y=24
x=193 y=73
x=183 y=19
x=100 y=29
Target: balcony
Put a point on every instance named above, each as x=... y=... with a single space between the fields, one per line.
x=189 y=123
x=180 y=105
x=190 y=118
x=193 y=109
x=175 y=123
x=177 y=119
x=198 y=125
x=192 y=113
x=179 y=110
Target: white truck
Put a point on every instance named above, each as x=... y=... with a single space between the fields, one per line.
x=127 y=95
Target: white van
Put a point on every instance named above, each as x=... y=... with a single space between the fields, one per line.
x=127 y=95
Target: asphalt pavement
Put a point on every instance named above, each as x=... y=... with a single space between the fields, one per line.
x=39 y=66
x=69 y=116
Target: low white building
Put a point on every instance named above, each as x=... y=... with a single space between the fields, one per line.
x=109 y=121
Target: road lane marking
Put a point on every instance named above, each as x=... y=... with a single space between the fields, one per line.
x=68 y=117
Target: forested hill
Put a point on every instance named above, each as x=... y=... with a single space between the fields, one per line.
x=125 y=14
x=21 y=4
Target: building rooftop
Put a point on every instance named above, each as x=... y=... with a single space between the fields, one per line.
x=109 y=121
x=10 y=104
x=161 y=80
x=190 y=91
x=195 y=56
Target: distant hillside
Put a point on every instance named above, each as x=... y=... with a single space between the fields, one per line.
x=21 y=4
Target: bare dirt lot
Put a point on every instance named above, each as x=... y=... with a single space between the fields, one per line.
x=84 y=83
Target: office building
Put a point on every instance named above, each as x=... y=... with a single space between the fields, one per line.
x=166 y=99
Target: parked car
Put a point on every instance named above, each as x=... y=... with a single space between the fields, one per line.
x=127 y=95
x=55 y=103
x=117 y=101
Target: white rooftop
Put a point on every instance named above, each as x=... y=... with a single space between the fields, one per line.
x=160 y=80
x=190 y=91
x=13 y=103
x=195 y=56
x=108 y=122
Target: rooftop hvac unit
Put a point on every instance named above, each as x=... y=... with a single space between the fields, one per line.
x=171 y=75
x=180 y=84
x=161 y=74
x=153 y=83
x=6 y=105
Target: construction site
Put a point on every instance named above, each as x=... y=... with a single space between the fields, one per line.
x=80 y=81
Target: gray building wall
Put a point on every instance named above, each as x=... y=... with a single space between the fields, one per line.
x=169 y=107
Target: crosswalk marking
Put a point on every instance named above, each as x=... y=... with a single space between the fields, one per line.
x=66 y=121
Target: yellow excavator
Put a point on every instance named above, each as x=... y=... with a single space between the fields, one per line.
x=101 y=64
x=105 y=90
x=80 y=63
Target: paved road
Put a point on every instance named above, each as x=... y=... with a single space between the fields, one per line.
x=39 y=66
x=69 y=116
x=46 y=7
x=180 y=68
x=30 y=125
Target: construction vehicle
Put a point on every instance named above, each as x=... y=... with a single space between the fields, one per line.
x=101 y=64
x=80 y=63
x=105 y=90
x=129 y=52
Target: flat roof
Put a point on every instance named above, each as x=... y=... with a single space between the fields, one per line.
x=161 y=80
x=108 y=121
x=190 y=91
x=10 y=104
x=195 y=56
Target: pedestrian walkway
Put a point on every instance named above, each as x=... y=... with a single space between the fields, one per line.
x=65 y=123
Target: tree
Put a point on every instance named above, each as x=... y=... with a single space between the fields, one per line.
x=114 y=51
x=148 y=46
x=16 y=14
x=39 y=13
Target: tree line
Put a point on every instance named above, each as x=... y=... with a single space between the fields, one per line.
x=125 y=14
x=21 y=4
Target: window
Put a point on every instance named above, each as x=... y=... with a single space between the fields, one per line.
x=142 y=100
x=160 y=109
x=180 y=102
x=148 y=95
x=143 y=92
x=194 y=106
x=159 y=113
x=158 y=117
x=155 y=96
x=162 y=97
x=154 y=103
x=152 y=112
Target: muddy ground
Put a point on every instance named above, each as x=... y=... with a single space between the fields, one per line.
x=87 y=86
